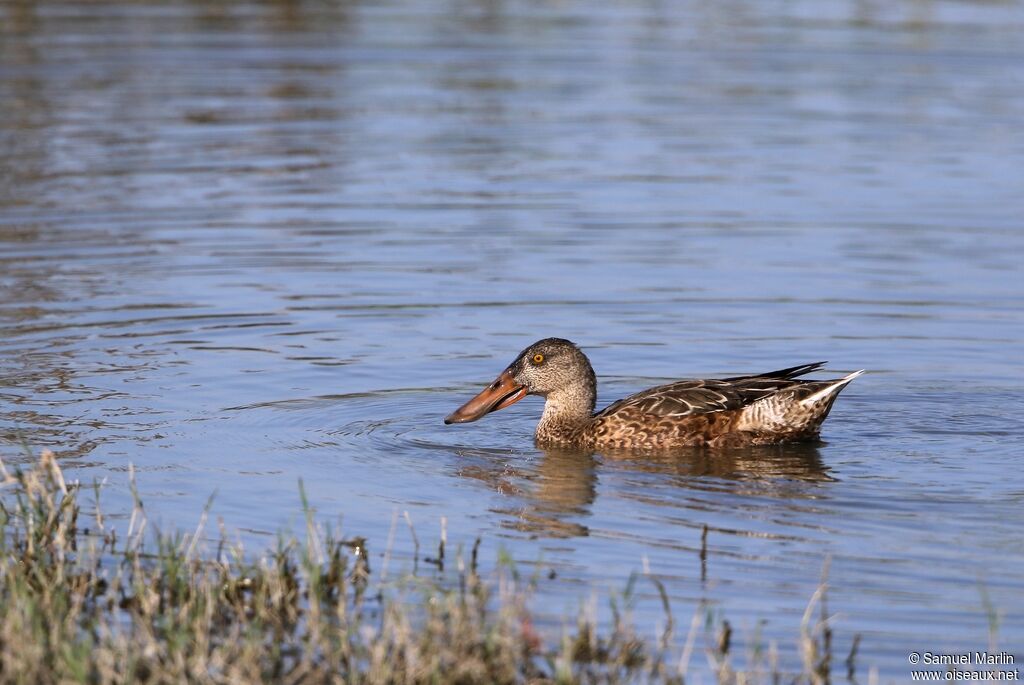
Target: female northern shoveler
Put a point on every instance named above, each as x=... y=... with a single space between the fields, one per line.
x=764 y=409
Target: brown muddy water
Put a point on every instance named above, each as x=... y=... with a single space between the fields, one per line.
x=247 y=244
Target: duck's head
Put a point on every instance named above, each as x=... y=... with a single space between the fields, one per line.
x=545 y=367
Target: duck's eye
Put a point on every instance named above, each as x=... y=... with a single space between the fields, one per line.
x=538 y=358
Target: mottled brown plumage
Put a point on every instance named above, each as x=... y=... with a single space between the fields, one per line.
x=764 y=409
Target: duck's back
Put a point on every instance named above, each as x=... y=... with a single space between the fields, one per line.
x=759 y=409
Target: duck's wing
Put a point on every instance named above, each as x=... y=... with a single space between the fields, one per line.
x=682 y=398
x=783 y=374
x=692 y=397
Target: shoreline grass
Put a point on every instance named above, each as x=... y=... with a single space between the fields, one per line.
x=92 y=604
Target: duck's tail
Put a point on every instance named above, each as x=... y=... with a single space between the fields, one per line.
x=830 y=389
x=794 y=413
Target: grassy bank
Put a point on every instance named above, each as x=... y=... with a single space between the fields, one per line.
x=81 y=601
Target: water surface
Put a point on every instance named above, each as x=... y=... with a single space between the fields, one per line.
x=247 y=244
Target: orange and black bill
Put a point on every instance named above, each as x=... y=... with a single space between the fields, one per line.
x=503 y=392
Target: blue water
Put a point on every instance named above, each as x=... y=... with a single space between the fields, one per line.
x=248 y=244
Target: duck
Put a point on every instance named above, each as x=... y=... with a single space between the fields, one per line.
x=762 y=409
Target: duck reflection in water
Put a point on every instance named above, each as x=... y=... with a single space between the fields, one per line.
x=554 y=497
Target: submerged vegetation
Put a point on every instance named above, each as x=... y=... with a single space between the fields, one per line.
x=82 y=602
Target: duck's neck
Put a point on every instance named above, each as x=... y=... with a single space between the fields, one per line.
x=568 y=411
